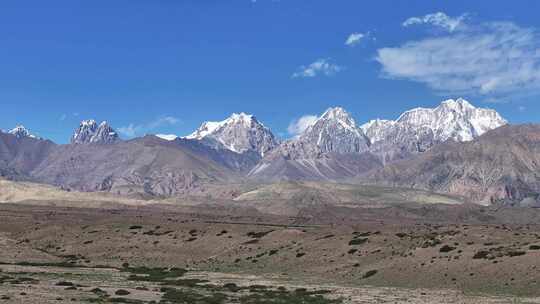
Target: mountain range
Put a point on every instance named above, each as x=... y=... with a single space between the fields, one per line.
x=451 y=148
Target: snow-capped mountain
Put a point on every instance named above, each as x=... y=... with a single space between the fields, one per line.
x=334 y=131
x=331 y=148
x=452 y=119
x=239 y=133
x=21 y=132
x=377 y=129
x=335 y=147
x=90 y=132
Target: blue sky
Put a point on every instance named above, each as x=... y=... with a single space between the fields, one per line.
x=165 y=66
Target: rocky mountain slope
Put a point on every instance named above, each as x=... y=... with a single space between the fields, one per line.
x=335 y=131
x=334 y=147
x=20 y=154
x=89 y=132
x=99 y=161
x=240 y=133
x=500 y=166
x=146 y=165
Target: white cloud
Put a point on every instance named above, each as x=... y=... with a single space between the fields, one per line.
x=130 y=131
x=319 y=67
x=354 y=39
x=439 y=19
x=491 y=59
x=63 y=117
x=133 y=130
x=297 y=126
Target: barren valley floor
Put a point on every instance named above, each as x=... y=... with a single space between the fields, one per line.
x=153 y=255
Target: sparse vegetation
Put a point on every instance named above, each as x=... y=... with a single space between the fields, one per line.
x=358 y=241
x=154 y=274
x=369 y=274
x=446 y=248
x=122 y=292
x=258 y=235
x=299 y=296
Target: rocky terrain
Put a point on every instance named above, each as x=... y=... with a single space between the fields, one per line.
x=147 y=165
x=331 y=243
x=500 y=167
x=19 y=155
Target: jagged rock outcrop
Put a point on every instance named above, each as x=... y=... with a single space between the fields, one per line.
x=89 y=132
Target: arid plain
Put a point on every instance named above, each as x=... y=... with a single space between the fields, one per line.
x=374 y=244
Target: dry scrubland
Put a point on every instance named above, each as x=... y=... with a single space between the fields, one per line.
x=332 y=244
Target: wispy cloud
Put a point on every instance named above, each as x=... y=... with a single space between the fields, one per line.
x=297 y=126
x=133 y=130
x=438 y=19
x=319 y=67
x=492 y=59
x=355 y=39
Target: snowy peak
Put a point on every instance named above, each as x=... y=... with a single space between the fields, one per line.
x=334 y=131
x=209 y=128
x=244 y=119
x=336 y=113
x=90 y=132
x=459 y=104
x=337 y=117
x=239 y=133
x=206 y=129
x=21 y=132
x=377 y=129
x=456 y=119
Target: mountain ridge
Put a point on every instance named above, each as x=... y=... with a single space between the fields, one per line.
x=240 y=148
x=335 y=135
x=239 y=133
x=498 y=167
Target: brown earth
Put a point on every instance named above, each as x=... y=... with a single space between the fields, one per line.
x=464 y=260
x=351 y=244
